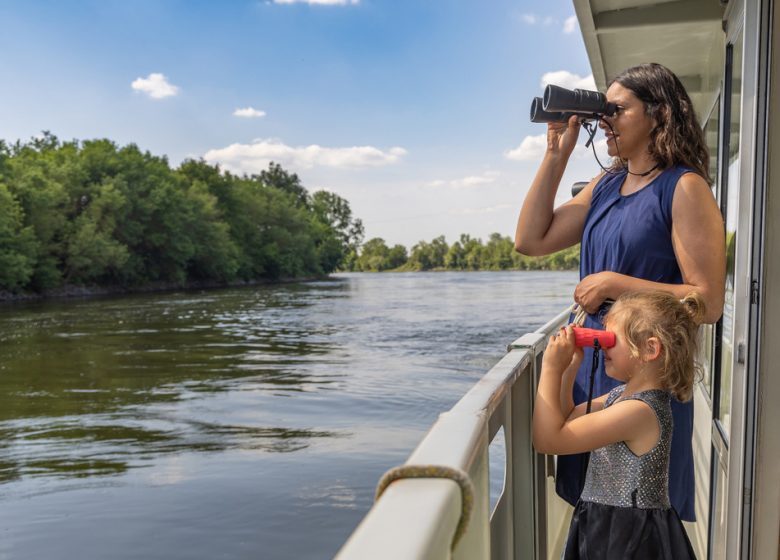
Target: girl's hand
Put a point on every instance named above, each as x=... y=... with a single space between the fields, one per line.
x=561 y=350
x=592 y=290
x=562 y=137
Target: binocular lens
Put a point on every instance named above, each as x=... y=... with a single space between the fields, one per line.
x=539 y=115
x=580 y=101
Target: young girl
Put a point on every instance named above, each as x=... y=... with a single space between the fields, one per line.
x=624 y=509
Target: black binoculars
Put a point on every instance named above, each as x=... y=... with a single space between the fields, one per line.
x=559 y=104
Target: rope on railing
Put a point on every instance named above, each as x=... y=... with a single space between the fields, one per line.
x=436 y=471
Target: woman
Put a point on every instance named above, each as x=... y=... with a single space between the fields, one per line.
x=650 y=222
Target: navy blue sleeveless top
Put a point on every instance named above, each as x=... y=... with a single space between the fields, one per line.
x=632 y=235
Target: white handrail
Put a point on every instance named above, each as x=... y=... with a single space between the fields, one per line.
x=417 y=518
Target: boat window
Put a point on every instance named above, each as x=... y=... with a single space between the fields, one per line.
x=729 y=207
x=707 y=342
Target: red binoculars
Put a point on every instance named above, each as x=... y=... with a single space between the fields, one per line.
x=588 y=337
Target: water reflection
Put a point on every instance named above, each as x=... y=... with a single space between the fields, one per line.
x=73 y=449
x=85 y=385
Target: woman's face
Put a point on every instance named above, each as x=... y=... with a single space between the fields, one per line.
x=631 y=125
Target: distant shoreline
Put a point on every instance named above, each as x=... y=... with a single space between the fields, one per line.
x=71 y=292
x=86 y=292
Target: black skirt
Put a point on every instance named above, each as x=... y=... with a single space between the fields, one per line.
x=602 y=532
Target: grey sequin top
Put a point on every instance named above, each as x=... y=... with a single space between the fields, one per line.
x=617 y=477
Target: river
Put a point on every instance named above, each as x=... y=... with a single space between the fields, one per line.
x=236 y=423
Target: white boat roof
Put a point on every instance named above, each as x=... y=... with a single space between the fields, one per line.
x=684 y=35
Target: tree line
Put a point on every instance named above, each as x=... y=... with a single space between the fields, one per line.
x=95 y=214
x=467 y=253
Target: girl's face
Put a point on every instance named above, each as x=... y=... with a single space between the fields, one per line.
x=630 y=123
x=619 y=363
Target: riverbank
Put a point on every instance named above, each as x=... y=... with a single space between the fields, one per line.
x=77 y=292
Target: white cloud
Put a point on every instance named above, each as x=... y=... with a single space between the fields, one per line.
x=533 y=19
x=581 y=152
x=570 y=24
x=248 y=113
x=255 y=157
x=568 y=80
x=532 y=148
x=155 y=85
x=530 y=19
x=320 y=2
x=470 y=181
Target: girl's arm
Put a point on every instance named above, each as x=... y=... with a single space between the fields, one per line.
x=626 y=421
x=556 y=432
x=580 y=410
x=567 y=383
x=699 y=245
x=541 y=229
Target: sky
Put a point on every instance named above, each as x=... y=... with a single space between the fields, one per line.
x=415 y=111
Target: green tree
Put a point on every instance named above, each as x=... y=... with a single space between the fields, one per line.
x=275 y=176
x=17 y=244
x=498 y=253
x=374 y=256
x=396 y=256
x=216 y=254
x=92 y=252
x=35 y=181
x=427 y=256
x=96 y=213
x=455 y=259
x=342 y=234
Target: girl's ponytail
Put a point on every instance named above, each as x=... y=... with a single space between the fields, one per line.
x=694 y=306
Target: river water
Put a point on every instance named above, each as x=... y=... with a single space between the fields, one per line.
x=237 y=423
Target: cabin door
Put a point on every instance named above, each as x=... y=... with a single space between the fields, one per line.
x=729 y=172
x=736 y=177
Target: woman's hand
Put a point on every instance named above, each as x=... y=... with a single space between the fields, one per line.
x=592 y=290
x=561 y=351
x=562 y=137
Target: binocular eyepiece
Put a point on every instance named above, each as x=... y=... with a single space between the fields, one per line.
x=588 y=337
x=559 y=104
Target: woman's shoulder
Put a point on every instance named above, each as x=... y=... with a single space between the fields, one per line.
x=689 y=188
x=674 y=180
x=677 y=175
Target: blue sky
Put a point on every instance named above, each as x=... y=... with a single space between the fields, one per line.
x=416 y=111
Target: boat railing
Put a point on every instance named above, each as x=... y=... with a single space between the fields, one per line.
x=438 y=503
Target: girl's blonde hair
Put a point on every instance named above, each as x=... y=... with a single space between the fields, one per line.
x=674 y=323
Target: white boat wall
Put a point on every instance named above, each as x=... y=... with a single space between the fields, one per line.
x=438 y=505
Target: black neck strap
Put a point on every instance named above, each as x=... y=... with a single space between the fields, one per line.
x=592 y=130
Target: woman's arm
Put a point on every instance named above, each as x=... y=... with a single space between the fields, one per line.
x=699 y=241
x=699 y=244
x=541 y=229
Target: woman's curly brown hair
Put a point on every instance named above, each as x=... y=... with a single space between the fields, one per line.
x=677 y=138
